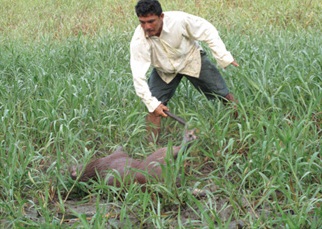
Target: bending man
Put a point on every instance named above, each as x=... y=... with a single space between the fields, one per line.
x=168 y=41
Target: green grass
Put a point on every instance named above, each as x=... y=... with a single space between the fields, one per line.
x=66 y=96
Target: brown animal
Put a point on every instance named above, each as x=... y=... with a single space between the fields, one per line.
x=129 y=168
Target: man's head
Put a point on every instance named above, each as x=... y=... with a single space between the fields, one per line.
x=146 y=7
x=150 y=16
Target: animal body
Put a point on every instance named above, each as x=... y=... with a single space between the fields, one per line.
x=130 y=168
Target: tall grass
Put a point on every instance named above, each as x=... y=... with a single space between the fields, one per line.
x=66 y=95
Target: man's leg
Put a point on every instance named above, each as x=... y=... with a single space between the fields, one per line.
x=211 y=83
x=229 y=98
x=163 y=92
x=153 y=126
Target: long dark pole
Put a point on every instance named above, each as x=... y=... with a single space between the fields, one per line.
x=180 y=120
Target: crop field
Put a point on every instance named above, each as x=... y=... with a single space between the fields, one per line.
x=67 y=97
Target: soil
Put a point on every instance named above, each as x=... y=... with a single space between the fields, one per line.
x=76 y=207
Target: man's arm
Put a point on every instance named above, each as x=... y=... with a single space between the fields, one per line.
x=202 y=30
x=140 y=63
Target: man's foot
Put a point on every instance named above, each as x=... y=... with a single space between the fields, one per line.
x=229 y=98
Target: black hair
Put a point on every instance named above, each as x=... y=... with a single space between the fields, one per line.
x=146 y=7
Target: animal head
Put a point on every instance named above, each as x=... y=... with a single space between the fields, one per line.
x=190 y=135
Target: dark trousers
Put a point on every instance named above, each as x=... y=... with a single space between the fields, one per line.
x=210 y=82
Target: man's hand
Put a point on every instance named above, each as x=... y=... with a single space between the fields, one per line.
x=234 y=63
x=159 y=111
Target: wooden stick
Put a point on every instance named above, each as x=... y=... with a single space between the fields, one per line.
x=180 y=120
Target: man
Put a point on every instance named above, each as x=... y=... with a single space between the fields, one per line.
x=168 y=41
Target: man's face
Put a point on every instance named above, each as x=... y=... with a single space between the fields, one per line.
x=152 y=24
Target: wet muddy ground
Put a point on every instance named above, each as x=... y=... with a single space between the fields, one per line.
x=78 y=209
x=87 y=211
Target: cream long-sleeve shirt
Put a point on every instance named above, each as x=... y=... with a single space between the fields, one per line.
x=176 y=50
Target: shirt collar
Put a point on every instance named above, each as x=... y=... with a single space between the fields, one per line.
x=165 y=28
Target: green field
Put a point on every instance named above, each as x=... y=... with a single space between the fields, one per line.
x=66 y=96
